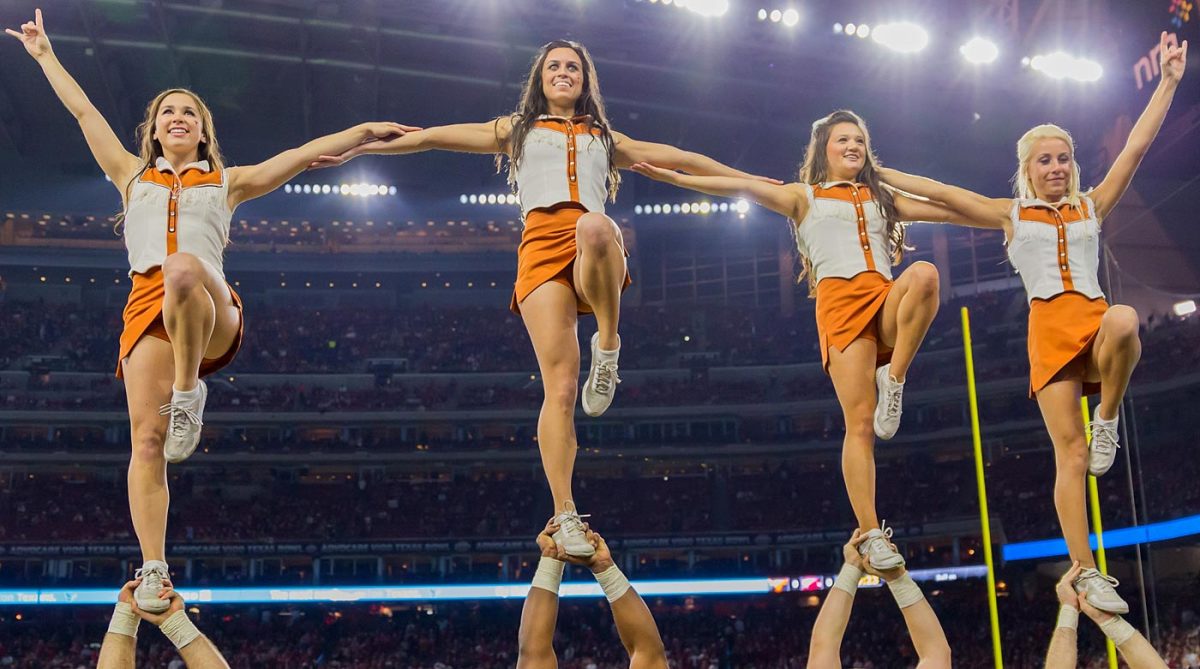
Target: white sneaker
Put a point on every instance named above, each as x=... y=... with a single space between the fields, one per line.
x=601 y=384
x=184 y=424
x=878 y=549
x=152 y=574
x=888 y=405
x=1101 y=591
x=1102 y=449
x=571 y=533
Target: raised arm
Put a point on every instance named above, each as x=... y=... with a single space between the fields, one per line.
x=1172 y=62
x=787 y=199
x=1063 y=652
x=923 y=626
x=928 y=211
x=973 y=209
x=106 y=148
x=539 y=615
x=1134 y=648
x=197 y=651
x=635 y=624
x=630 y=152
x=825 y=646
x=251 y=181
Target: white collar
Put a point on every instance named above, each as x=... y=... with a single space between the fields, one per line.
x=164 y=165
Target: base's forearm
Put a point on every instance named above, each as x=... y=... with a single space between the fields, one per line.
x=117 y=652
x=1063 y=649
x=202 y=654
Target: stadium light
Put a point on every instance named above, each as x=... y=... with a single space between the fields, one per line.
x=1184 y=308
x=791 y=17
x=705 y=7
x=979 y=51
x=862 y=31
x=837 y=28
x=776 y=16
x=1061 y=65
x=903 y=37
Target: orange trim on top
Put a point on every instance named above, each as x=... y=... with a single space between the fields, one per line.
x=1054 y=216
x=854 y=194
x=192 y=177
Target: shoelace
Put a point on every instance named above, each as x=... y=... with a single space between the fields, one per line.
x=1095 y=573
x=895 y=393
x=180 y=416
x=606 y=377
x=872 y=544
x=1104 y=445
x=571 y=521
x=151 y=577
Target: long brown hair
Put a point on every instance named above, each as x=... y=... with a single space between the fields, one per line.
x=149 y=149
x=534 y=104
x=815 y=169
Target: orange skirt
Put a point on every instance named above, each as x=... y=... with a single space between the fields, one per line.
x=547 y=253
x=847 y=309
x=1061 y=332
x=143 y=317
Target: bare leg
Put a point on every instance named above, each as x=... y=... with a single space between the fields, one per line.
x=1115 y=353
x=599 y=272
x=1060 y=405
x=198 y=314
x=907 y=313
x=148 y=372
x=550 y=318
x=853 y=374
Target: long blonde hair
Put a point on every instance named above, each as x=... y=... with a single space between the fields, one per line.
x=1023 y=183
x=815 y=169
x=149 y=149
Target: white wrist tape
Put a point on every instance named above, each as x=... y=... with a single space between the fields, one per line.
x=848 y=578
x=1068 y=617
x=124 y=621
x=906 y=591
x=179 y=629
x=613 y=583
x=1117 y=629
x=549 y=574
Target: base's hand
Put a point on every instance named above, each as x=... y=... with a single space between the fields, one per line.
x=865 y=564
x=850 y=551
x=546 y=543
x=1092 y=612
x=126 y=593
x=600 y=560
x=168 y=592
x=1065 y=589
x=33 y=36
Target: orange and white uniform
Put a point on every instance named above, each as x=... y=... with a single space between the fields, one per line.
x=170 y=213
x=1056 y=251
x=844 y=236
x=563 y=174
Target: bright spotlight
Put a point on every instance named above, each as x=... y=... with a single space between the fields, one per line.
x=344 y=189
x=1185 y=307
x=979 y=51
x=472 y=198
x=462 y=199
x=776 y=16
x=287 y=188
x=742 y=206
x=687 y=207
x=850 y=28
x=705 y=207
x=491 y=198
x=762 y=15
x=791 y=17
x=1060 y=65
x=391 y=190
x=903 y=37
x=307 y=188
x=863 y=30
x=637 y=209
x=658 y=208
x=837 y=28
x=705 y=7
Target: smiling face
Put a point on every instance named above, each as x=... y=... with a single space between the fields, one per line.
x=1050 y=168
x=178 y=125
x=846 y=151
x=562 y=79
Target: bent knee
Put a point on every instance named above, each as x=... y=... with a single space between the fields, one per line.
x=1071 y=456
x=925 y=278
x=1121 y=321
x=561 y=395
x=595 y=233
x=182 y=272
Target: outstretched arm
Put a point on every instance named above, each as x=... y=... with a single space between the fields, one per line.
x=106 y=148
x=912 y=209
x=1134 y=648
x=1172 y=62
x=630 y=152
x=923 y=626
x=787 y=199
x=119 y=648
x=972 y=209
x=489 y=137
x=635 y=624
x=251 y=181
x=825 y=646
x=539 y=615
x=1064 y=643
x=197 y=651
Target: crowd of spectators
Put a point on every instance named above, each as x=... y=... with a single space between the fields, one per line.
x=765 y=632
